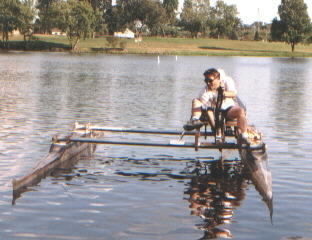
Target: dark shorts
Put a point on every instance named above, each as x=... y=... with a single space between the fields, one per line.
x=204 y=116
x=225 y=112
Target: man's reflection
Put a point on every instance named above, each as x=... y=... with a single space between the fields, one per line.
x=214 y=193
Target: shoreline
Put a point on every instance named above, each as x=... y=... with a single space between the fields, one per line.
x=163 y=46
x=288 y=55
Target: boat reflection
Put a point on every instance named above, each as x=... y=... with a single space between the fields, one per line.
x=215 y=191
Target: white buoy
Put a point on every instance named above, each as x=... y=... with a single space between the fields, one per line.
x=158 y=59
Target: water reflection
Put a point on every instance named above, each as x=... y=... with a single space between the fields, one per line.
x=215 y=191
x=289 y=83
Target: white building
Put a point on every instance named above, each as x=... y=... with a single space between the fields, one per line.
x=126 y=34
x=56 y=31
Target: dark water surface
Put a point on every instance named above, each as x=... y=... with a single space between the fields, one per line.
x=151 y=193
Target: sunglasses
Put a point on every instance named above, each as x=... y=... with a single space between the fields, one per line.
x=209 y=80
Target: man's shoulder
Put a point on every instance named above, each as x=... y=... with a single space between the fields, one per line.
x=229 y=84
x=228 y=79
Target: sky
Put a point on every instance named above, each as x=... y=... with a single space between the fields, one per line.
x=257 y=10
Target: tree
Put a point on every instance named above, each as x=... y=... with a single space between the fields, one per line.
x=224 y=21
x=26 y=19
x=114 y=19
x=77 y=19
x=156 y=19
x=9 y=10
x=102 y=5
x=139 y=14
x=194 y=16
x=102 y=9
x=46 y=15
x=257 y=36
x=294 y=16
x=277 y=30
x=171 y=7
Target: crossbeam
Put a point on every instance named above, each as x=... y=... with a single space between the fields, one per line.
x=164 y=132
x=151 y=144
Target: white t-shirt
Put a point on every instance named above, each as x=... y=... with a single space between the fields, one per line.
x=209 y=98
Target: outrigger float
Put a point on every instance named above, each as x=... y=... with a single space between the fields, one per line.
x=82 y=141
x=61 y=155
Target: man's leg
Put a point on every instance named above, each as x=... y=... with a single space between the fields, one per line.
x=196 y=113
x=196 y=109
x=211 y=119
x=239 y=113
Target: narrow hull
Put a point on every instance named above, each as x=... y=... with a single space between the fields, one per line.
x=61 y=155
x=256 y=163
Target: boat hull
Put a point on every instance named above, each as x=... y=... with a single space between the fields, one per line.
x=61 y=155
x=256 y=163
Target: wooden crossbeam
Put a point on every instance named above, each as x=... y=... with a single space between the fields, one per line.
x=153 y=144
x=163 y=132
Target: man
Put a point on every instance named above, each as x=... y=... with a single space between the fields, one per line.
x=207 y=101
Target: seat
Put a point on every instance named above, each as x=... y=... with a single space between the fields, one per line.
x=231 y=122
x=228 y=127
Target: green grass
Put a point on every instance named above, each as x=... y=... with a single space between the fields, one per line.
x=171 y=46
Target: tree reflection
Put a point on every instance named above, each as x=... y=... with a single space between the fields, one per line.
x=289 y=81
x=215 y=191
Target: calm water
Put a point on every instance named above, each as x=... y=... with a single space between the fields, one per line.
x=148 y=193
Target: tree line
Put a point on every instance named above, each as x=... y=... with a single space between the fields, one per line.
x=80 y=19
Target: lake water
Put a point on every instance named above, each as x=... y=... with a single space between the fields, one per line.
x=124 y=192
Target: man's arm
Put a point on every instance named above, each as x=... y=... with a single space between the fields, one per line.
x=229 y=94
x=230 y=85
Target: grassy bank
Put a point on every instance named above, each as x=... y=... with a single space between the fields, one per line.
x=168 y=46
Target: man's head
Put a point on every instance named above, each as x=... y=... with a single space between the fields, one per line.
x=212 y=78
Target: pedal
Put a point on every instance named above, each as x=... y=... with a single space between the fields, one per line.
x=218 y=139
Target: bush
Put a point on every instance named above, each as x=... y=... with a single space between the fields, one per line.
x=112 y=41
x=171 y=31
x=123 y=44
x=34 y=38
x=234 y=36
x=257 y=36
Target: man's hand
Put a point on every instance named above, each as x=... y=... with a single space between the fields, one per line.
x=220 y=91
x=222 y=85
